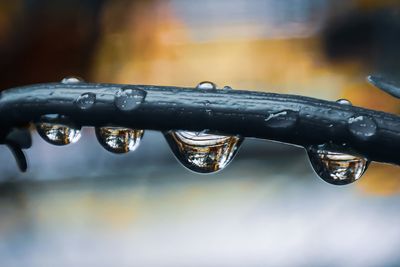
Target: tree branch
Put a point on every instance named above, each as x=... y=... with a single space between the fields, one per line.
x=290 y=119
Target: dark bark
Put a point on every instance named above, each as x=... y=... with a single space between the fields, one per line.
x=290 y=119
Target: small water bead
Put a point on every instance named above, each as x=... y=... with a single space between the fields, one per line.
x=118 y=139
x=58 y=134
x=129 y=98
x=227 y=87
x=362 y=127
x=86 y=100
x=344 y=102
x=201 y=152
x=206 y=85
x=336 y=168
x=72 y=80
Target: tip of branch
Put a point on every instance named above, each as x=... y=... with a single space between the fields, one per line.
x=386 y=84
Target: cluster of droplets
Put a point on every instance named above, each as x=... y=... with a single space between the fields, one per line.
x=204 y=152
x=59 y=130
x=199 y=151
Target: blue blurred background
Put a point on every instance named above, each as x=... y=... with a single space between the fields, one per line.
x=80 y=205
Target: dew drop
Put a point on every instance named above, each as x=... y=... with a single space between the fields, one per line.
x=227 y=87
x=72 y=80
x=206 y=85
x=336 y=168
x=118 y=139
x=58 y=134
x=129 y=98
x=344 y=102
x=201 y=152
x=86 y=100
x=362 y=127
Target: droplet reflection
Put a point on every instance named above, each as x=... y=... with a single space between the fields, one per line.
x=119 y=140
x=336 y=168
x=201 y=152
x=58 y=134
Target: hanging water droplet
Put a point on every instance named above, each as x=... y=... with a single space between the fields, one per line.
x=129 y=98
x=72 y=80
x=206 y=85
x=86 y=100
x=344 y=102
x=362 y=127
x=118 y=139
x=58 y=134
x=201 y=152
x=336 y=168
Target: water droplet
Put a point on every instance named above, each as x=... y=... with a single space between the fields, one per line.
x=72 y=80
x=206 y=85
x=86 y=100
x=336 y=168
x=119 y=140
x=362 y=127
x=282 y=119
x=58 y=134
x=344 y=102
x=227 y=87
x=201 y=152
x=129 y=98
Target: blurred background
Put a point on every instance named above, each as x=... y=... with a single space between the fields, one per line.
x=79 y=205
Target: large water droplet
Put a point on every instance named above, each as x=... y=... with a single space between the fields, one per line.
x=201 y=152
x=72 y=80
x=119 y=140
x=86 y=100
x=362 y=127
x=129 y=98
x=206 y=85
x=58 y=134
x=336 y=168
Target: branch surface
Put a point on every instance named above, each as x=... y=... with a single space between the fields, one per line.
x=292 y=119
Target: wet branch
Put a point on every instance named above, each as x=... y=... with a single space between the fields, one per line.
x=290 y=119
